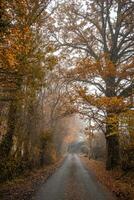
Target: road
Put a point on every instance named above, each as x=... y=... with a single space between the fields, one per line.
x=72 y=182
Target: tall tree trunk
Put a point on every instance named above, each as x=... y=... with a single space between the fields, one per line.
x=112 y=136
x=7 y=142
x=112 y=142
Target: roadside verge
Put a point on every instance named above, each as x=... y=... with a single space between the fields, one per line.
x=119 y=183
x=24 y=187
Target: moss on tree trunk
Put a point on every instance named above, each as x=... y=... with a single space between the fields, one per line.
x=113 y=157
x=7 y=142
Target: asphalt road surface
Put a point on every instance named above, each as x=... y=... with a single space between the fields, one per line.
x=72 y=182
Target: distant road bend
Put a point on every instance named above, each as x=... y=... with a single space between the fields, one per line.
x=72 y=182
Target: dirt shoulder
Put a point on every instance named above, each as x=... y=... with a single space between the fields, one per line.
x=24 y=187
x=119 y=183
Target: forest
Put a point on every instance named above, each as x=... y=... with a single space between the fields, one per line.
x=66 y=84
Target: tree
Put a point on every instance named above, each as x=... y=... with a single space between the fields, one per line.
x=56 y=106
x=102 y=34
x=25 y=58
x=19 y=56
